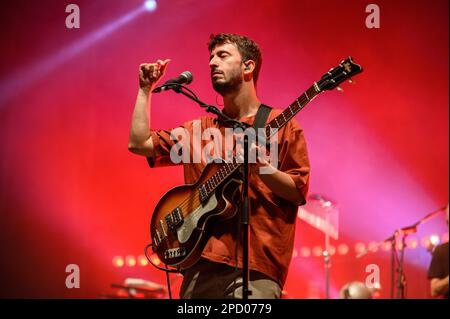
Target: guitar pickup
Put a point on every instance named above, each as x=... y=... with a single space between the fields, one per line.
x=203 y=193
x=174 y=219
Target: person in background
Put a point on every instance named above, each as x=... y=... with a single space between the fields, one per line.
x=438 y=270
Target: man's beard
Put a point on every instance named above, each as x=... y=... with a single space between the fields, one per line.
x=229 y=86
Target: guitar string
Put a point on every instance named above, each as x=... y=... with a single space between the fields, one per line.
x=194 y=199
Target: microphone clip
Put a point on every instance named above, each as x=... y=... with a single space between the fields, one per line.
x=168 y=86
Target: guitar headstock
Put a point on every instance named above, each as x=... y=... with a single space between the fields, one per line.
x=344 y=71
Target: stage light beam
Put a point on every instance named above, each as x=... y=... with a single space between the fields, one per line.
x=150 y=5
x=14 y=84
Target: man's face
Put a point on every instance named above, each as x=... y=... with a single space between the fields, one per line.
x=226 y=67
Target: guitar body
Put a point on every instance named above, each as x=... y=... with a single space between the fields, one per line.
x=180 y=220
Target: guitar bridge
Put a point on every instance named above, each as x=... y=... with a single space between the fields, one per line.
x=175 y=253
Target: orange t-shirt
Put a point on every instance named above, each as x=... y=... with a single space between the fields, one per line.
x=272 y=219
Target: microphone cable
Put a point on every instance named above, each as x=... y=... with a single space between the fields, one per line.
x=166 y=269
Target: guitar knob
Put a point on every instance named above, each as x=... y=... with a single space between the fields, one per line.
x=340 y=89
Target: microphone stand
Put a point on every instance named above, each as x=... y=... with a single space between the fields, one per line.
x=405 y=231
x=394 y=259
x=326 y=204
x=401 y=280
x=245 y=208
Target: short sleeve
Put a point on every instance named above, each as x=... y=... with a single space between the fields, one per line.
x=293 y=157
x=168 y=144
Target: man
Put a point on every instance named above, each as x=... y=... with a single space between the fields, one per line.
x=235 y=63
x=438 y=270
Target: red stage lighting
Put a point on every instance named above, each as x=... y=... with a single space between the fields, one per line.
x=305 y=252
x=118 y=261
x=130 y=261
x=317 y=251
x=343 y=249
x=360 y=248
x=142 y=261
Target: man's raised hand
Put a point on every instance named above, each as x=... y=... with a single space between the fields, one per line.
x=151 y=73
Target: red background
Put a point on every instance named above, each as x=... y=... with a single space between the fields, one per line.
x=70 y=192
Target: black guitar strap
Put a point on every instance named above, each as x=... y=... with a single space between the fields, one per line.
x=260 y=120
x=261 y=116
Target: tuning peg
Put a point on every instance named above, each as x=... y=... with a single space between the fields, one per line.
x=339 y=89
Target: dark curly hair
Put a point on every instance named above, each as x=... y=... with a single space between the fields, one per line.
x=248 y=48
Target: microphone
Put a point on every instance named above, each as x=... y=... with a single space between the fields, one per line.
x=184 y=78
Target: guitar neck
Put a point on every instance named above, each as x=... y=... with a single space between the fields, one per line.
x=206 y=189
x=295 y=107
